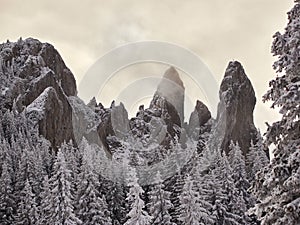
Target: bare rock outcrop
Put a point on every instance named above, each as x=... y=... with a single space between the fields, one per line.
x=235 y=110
x=113 y=126
x=32 y=71
x=170 y=96
x=198 y=118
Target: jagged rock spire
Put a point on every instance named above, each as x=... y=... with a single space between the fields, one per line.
x=170 y=91
x=235 y=110
x=199 y=117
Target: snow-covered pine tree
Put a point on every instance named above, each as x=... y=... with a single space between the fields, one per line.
x=27 y=213
x=256 y=158
x=238 y=166
x=73 y=159
x=47 y=157
x=7 y=203
x=174 y=186
x=137 y=214
x=8 y=125
x=116 y=199
x=62 y=196
x=225 y=195
x=277 y=186
x=159 y=203
x=38 y=170
x=205 y=191
x=26 y=170
x=191 y=212
x=91 y=207
x=204 y=185
x=45 y=206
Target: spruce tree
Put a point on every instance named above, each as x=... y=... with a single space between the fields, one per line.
x=277 y=186
x=27 y=213
x=62 y=194
x=175 y=186
x=204 y=185
x=91 y=206
x=191 y=212
x=46 y=203
x=159 y=203
x=256 y=158
x=7 y=203
x=116 y=199
x=137 y=214
x=238 y=168
x=225 y=195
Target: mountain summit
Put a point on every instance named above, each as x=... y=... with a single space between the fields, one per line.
x=173 y=75
x=170 y=96
x=28 y=68
x=235 y=110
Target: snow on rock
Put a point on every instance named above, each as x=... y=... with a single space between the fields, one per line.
x=53 y=114
x=36 y=111
x=4 y=90
x=34 y=75
x=39 y=104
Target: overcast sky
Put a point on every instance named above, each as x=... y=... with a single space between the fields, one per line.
x=218 y=31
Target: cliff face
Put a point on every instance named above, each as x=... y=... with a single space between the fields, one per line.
x=235 y=110
x=199 y=117
x=35 y=77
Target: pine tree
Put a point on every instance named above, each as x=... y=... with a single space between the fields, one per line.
x=62 y=196
x=73 y=160
x=238 y=166
x=8 y=126
x=175 y=186
x=204 y=186
x=46 y=203
x=137 y=214
x=116 y=199
x=31 y=168
x=160 y=203
x=277 y=186
x=45 y=154
x=91 y=208
x=6 y=197
x=256 y=158
x=205 y=192
x=225 y=194
x=27 y=213
x=191 y=211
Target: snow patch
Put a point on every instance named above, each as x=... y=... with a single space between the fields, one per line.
x=38 y=105
x=4 y=91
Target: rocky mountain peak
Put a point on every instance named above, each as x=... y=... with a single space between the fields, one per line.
x=235 y=110
x=35 y=78
x=173 y=75
x=199 y=117
x=170 y=96
x=30 y=58
x=28 y=68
